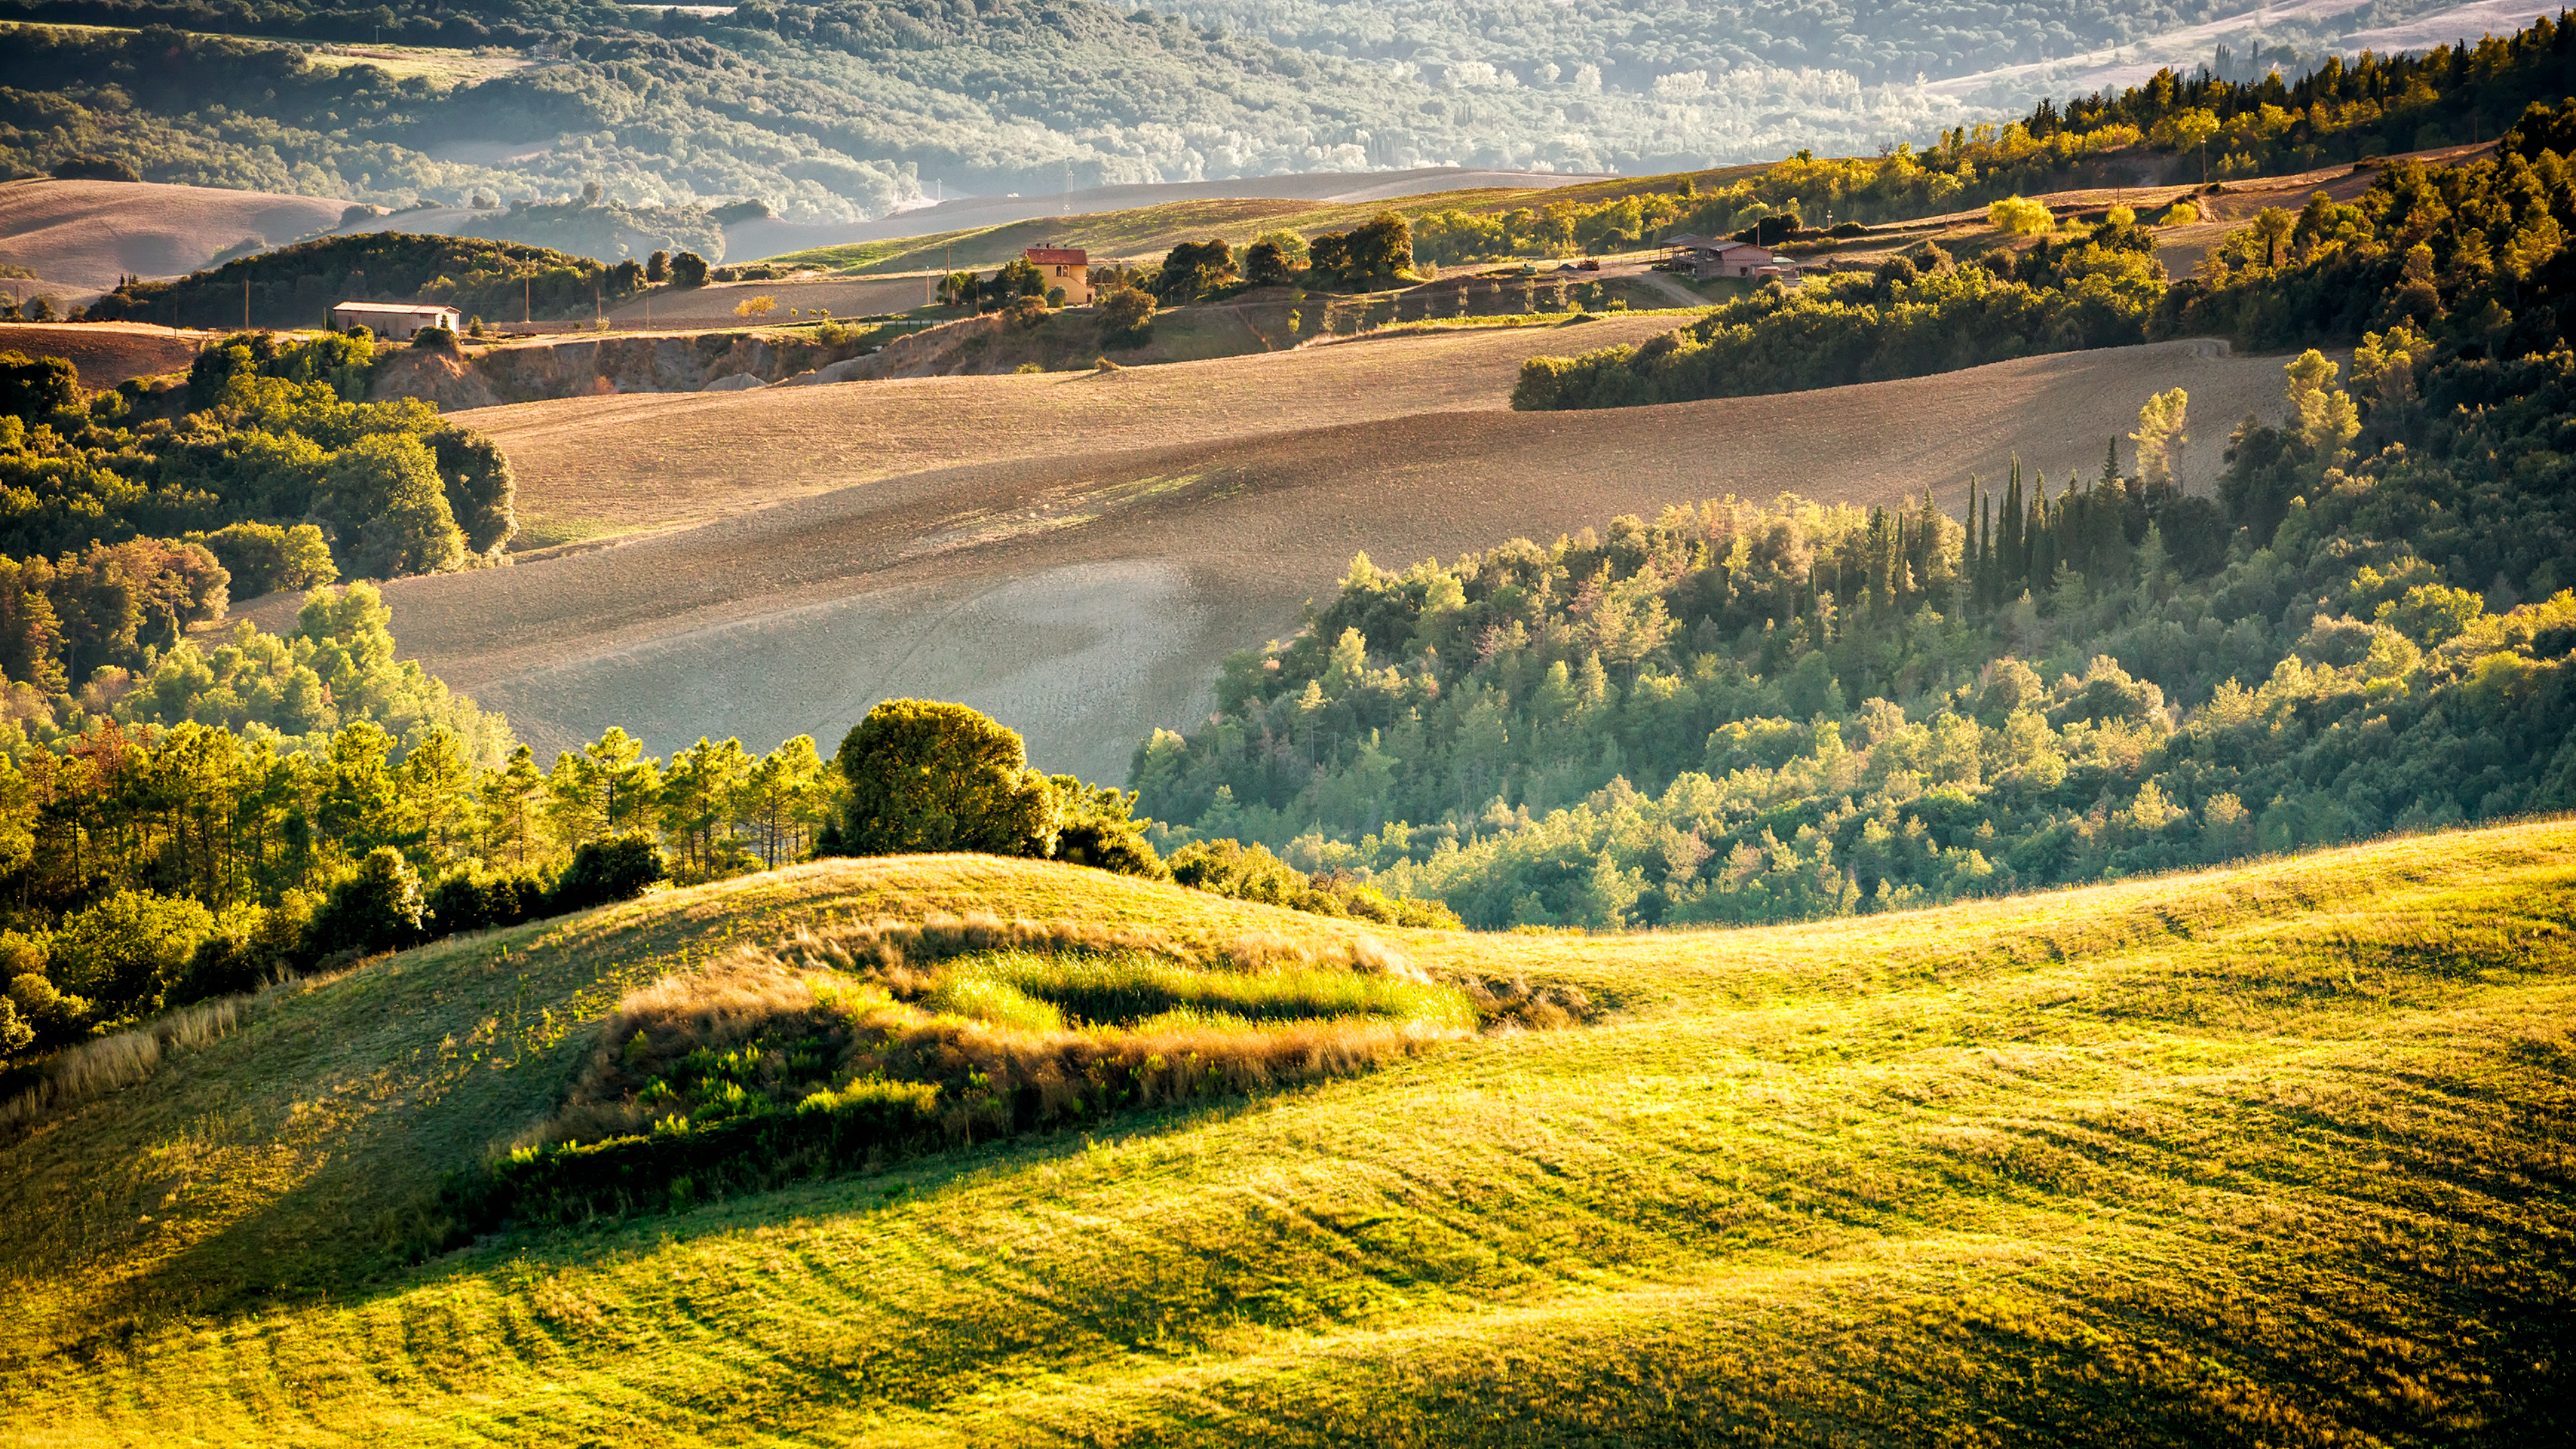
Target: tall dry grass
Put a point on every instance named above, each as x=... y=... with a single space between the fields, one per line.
x=95 y=1068
x=768 y=1028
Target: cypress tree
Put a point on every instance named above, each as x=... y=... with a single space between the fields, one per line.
x=2016 y=558
x=1986 y=565
x=2039 y=557
x=1973 y=562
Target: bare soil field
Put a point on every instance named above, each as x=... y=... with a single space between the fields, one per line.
x=639 y=462
x=1075 y=555
x=86 y=234
x=106 y=353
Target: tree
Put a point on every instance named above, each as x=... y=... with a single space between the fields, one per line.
x=502 y=799
x=384 y=499
x=928 y=776
x=436 y=783
x=608 y=787
x=1127 y=312
x=688 y=269
x=2273 y=227
x=482 y=494
x=1265 y=264
x=699 y=801
x=1380 y=251
x=262 y=558
x=2326 y=417
x=94 y=168
x=1193 y=267
x=2019 y=216
x=2160 y=424
x=1019 y=277
x=2187 y=130
x=657 y=268
x=755 y=307
x=119 y=951
x=617 y=869
x=37 y=388
x=783 y=800
x=377 y=908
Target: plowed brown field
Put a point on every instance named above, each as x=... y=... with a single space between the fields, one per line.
x=106 y=353
x=1075 y=555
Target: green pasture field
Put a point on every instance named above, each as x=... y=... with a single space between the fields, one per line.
x=2279 y=1154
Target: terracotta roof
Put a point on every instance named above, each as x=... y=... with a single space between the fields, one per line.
x=1058 y=256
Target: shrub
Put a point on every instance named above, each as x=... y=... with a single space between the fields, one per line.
x=1126 y=312
x=602 y=871
x=479 y=898
x=1094 y=827
x=94 y=168
x=376 y=909
x=434 y=339
x=55 y=1017
x=1251 y=873
x=924 y=775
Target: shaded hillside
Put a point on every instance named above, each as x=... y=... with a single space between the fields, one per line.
x=91 y=235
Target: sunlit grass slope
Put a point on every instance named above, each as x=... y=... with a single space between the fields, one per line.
x=2278 y=1155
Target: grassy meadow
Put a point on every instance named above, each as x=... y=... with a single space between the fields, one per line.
x=2278 y=1154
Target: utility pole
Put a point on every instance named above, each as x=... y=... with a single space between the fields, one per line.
x=527 y=302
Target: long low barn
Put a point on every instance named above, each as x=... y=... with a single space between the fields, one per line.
x=393 y=319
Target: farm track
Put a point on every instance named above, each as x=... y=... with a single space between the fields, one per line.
x=1082 y=580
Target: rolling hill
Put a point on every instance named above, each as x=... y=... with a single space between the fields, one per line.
x=87 y=235
x=2275 y=1153
x=826 y=547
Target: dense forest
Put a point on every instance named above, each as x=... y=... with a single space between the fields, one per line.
x=1772 y=712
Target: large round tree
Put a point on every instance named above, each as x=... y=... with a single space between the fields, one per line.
x=927 y=776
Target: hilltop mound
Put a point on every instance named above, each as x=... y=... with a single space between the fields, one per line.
x=2200 y=1159
x=943 y=537
x=91 y=234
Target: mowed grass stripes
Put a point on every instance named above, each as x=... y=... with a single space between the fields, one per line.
x=2274 y=1155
